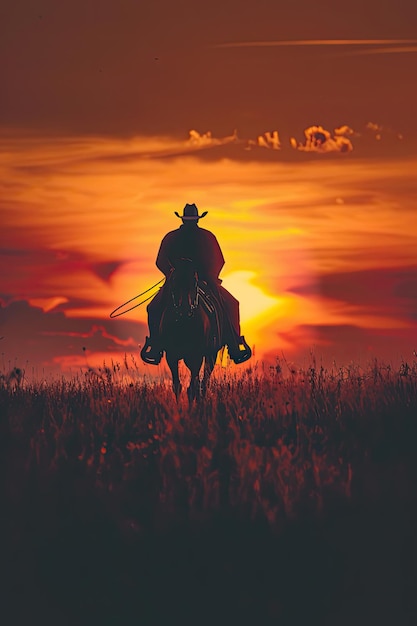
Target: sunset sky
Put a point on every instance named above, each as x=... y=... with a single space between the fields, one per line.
x=292 y=123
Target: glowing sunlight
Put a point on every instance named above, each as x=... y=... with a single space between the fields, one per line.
x=253 y=301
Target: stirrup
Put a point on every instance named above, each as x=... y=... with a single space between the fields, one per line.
x=150 y=354
x=243 y=352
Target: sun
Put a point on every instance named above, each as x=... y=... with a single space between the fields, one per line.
x=253 y=301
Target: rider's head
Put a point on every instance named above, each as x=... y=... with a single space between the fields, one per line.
x=190 y=214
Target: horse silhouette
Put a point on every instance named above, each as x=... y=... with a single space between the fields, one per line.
x=190 y=328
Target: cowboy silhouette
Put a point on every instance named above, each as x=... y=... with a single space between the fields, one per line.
x=202 y=248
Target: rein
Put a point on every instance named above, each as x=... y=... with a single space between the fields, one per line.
x=114 y=314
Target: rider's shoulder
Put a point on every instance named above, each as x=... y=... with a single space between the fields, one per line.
x=171 y=234
x=206 y=233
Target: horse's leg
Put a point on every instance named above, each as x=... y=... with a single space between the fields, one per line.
x=193 y=362
x=173 y=366
x=209 y=362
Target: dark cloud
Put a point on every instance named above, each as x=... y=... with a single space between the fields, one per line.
x=106 y=269
x=27 y=263
x=11 y=252
x=380 y=291
x=42 y=339
x=407 y=288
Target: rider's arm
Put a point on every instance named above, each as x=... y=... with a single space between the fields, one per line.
x=162 y=260
x=217 y=258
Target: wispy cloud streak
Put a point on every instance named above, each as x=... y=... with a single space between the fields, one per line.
x=319 y=42
x=387 y=50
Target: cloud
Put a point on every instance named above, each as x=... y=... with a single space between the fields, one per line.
x=41 y=338
x=206 y=140
x=315 y=42
x=106 y=269
x=379 y=131
x=91 y=160
x=37 y=156
x=34 y=270
x=385 y=50
x=269 y=140
x=388 y=292
x=196 y=142
x=318 y=139
x=344 y=130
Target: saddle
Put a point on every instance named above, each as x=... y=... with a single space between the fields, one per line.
x=213 y=307
x=221 y=330
x=152 y=351
x=239 y=350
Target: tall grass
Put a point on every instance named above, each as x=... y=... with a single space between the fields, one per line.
x=287 y=497
x=261 y=443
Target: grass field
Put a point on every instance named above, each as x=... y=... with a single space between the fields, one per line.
x=288 y=496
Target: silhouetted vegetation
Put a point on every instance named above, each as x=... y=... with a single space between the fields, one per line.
x=277 y=500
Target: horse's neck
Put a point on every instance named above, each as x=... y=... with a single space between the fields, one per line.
x=183 y=287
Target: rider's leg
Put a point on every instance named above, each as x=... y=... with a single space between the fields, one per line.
x=232 y=310
x=239 y=350
x=152 y=351
x=154 y=318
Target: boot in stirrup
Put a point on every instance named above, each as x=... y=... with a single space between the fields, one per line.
x=239 y=351
x=151 y=353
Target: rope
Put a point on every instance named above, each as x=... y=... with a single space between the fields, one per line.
x=114 y=314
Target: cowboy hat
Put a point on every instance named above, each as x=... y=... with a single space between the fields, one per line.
x=190 y=212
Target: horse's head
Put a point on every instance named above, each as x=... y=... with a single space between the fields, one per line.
x=184 y=288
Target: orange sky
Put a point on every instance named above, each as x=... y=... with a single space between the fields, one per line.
x=320 y=252
x=293 y=124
